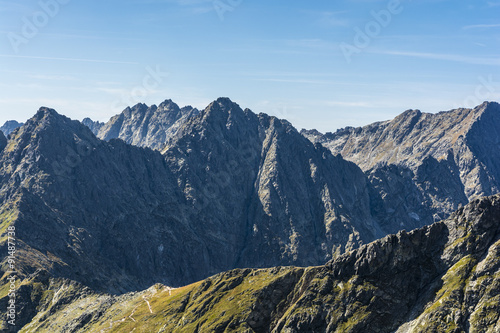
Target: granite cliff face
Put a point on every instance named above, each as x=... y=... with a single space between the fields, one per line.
x=143 y=126
x=442 y=160
x=441 y=278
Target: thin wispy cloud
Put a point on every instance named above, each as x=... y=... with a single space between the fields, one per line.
x=295 y=81
x=52 y=77
x=70 y=59
x=349 y=104
x=177 y=2
x=195 y=6
x=333 y=19
x=12 y=6
x=481 y=26
x=445 y=57
x=310 y=43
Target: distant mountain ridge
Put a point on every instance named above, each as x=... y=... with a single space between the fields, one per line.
x=444 y=159
x=143 y=126
x=10 y=126
x=413 y=136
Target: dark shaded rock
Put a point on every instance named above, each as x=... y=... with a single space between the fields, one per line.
x=3 y=141
x=440 y=278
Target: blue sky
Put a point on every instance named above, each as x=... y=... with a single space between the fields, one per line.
x=319 y=64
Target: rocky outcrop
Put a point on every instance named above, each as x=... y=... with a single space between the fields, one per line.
x=440 y=278
x=444 y=159
x=143 y=126
x=10 y=126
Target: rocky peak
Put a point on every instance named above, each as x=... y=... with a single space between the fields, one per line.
x=313 y=132
x=46 y=117
x=43 y=120
x=95 y=126
x=47 y=133
x=187 y=108
x=226 y=102
x=222 y=107
x=223 y=115
x=408 y=115
x=168 y=104
x=10 y=126
x=137 y=111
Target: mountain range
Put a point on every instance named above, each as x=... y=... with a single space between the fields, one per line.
x=174 y=195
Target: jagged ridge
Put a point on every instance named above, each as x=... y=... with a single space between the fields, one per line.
x=441 y=278
x=144 y=126
x=442 y=160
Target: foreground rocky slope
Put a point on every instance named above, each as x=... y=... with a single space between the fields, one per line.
x=441 y=278
x=143 y=126
x=442 y=160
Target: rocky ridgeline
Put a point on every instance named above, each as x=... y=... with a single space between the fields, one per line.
x=143 y=126
x=426 y=165
x=440 y=278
